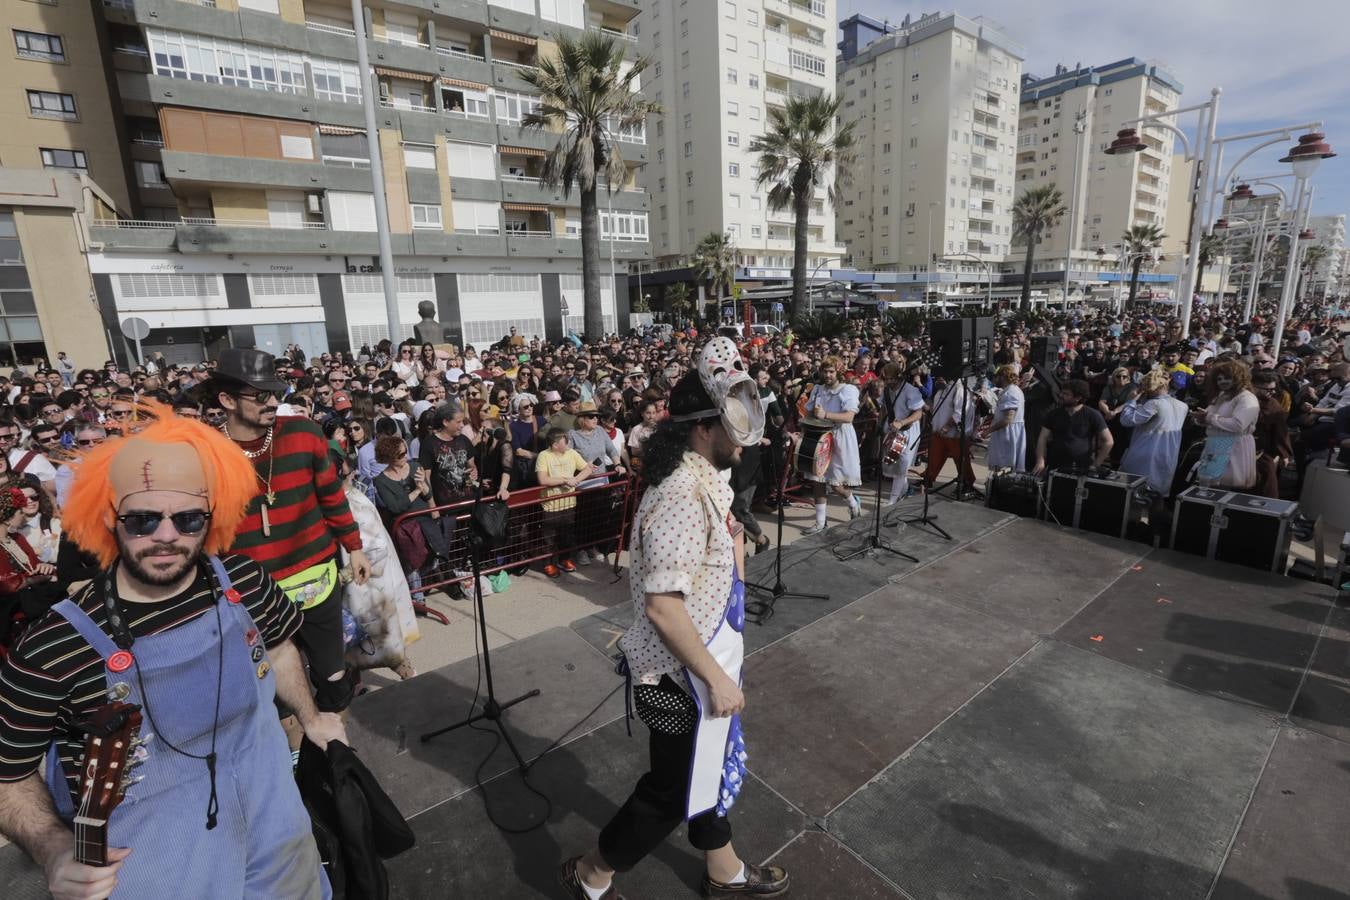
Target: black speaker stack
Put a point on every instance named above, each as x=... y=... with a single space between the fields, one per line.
x=962 y=346
x=1044 y=353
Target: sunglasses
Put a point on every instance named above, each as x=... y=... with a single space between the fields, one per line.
x=49 y=439
x=52 y=411
x=98 y=396
x=261 y=396
x=144 y=524
x=120 y=413
x=89 y=442
x=8 y=437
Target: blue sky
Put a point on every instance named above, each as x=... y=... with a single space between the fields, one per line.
x=1278 y=64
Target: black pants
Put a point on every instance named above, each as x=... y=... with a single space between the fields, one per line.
x=657 y=807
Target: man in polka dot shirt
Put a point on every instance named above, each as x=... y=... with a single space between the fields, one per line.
x=687 y=549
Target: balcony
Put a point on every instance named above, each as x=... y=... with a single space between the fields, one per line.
x=614 y=33
x=406 y=105
x=454 y=53
x=330 y=29
x=346 y=162
x=401 y=41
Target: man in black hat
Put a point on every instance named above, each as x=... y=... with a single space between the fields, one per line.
x=294 y=526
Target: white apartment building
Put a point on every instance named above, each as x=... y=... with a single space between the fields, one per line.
x=1329 y=231
x=934 y=103
x=717 y=68
x=1066 y=123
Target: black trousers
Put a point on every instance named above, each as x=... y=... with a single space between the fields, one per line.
x=657 y=806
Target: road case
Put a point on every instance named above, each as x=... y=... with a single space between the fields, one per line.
x=1233 y=527
x=1103 y=503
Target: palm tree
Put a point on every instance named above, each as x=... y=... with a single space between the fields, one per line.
x=715 y=262
x=798 y=151
x=1140 y=241
x=1035 y=211
x=1312 y=258
x=586 y=98
x=1211 y=248
x=677 y=298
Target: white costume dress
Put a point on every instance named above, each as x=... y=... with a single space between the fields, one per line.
x=1155 y=442
x=1236 y=417
x=1008 y=445
x=845 y=465
x=907 y=402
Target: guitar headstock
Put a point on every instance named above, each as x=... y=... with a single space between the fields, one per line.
x=112 y=748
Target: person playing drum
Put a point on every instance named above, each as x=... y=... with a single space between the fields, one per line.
x=905 y=416
x=836 y=402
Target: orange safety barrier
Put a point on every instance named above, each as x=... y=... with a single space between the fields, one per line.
x=538 y=529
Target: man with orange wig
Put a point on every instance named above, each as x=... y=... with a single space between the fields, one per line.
x=202 y=643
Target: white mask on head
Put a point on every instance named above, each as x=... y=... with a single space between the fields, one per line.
x=734 y=393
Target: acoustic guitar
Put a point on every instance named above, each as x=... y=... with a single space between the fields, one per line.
x=112 y=748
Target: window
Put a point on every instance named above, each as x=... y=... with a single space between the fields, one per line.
x=731 y=76
x=336 y=80
x=731 y=43
x=751 y=17
x=684 y=59
x=426 y=215
x=219 y=61
x=50 y=105
x=267 y=6
x=886 y=147
x=733 y=108
x=752 y=49
x=476 y=217
x=688 y=120
x=756 y=231
x=64 y=159
x=150 y=174
x=466 y=102
x=688 y=149
x=734 y=170
x=684 y=28
x=805 y=61
x=753 y=112
x=511 y=106
x=419 y=156
x=623 y=226
x=734 y=201
x=729 y=10
x=756 y=203
x=734 y=231
x=733 y=138
x=752 y=79
x=471 y=160
x=688 y=179
x=35 y=45
x=685 y=90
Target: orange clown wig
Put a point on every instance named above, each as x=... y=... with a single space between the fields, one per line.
x=182 y=455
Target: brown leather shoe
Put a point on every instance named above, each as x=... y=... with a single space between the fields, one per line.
x=760 y=881
x=570 y=880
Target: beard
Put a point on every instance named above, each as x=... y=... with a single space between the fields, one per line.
x=158 y=564
x=726 y=457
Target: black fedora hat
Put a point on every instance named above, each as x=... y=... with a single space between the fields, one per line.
x=252 y=368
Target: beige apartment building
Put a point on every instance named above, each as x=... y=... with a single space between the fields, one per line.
x=718 y=67
x=934 y=102
x=58 y=110
x=1066 y=122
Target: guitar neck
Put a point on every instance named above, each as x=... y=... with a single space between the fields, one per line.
x=91 y=841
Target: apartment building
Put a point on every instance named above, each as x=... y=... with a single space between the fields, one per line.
x=934 y=103
x=255 y=216
x=1066 y=122
x=718 y=68
x=59 y=111
x=1328 y=231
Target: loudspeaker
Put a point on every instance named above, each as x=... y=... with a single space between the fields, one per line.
x=981 y=332
x=1044 y=353
x=951 y=346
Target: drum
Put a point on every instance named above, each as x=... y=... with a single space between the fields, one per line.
x=816 y=448
x=895 y=446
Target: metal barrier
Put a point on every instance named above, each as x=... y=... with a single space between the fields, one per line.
x=538 y=529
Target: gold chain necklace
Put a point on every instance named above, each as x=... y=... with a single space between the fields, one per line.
x=269 y=495
x=251 y=454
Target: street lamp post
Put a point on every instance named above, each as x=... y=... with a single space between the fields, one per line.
x=1305 y=156
x=1079 y=127
x=1208 y=158
x=988 y=276
x=929 y=264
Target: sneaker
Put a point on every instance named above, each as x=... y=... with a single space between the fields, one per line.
x=567 y=565
x=584 y=557
x=854 y=509
x=760 y=881
x=571 y=883
x=815 y=529
x=552 y=571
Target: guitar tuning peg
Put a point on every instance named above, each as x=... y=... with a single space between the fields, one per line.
x=130 y=780
x=137 y=756
x=142 y=739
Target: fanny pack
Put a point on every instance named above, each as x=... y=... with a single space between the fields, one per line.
x=310 y=587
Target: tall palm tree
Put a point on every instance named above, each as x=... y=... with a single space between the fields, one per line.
x=677 y=298
x=1033 y=212
x=715 y=262
x=1140 y=241
x=798 y=152
x=1312 y=258
x=586 y=98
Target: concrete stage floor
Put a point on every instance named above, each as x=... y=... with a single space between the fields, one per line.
x=1026 y=712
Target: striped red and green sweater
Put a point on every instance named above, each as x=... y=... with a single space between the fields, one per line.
x=310 y=515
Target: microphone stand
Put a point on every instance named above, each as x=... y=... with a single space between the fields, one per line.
x=873 y=541
x=963 y=491
x=762 y=610
x=492 y=707
x=925 y=519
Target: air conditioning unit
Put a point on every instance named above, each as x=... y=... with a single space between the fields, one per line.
x=314 y=203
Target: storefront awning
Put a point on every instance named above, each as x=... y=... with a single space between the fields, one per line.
x=525 y=207
x=400 y=73
x=459 y=82
x=511 y=36
x=522 y=151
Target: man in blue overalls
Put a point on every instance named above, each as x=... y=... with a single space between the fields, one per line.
x=684 y=651
x=202 y=644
